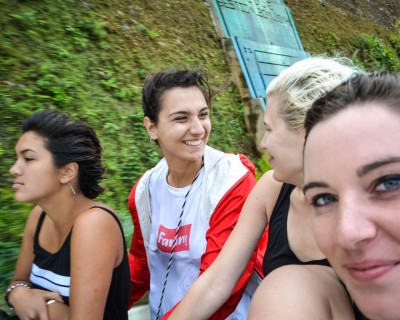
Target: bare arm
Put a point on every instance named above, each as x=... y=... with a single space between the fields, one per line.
x=96 y=249
x=301 y=292
x=214 y=286
x=29 y=303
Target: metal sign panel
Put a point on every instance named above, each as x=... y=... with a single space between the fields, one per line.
x=262 y=62
x=263 y=21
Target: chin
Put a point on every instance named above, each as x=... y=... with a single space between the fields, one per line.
x=21 y=198
x=277 y=176
x=381 y=314
x=379 y=308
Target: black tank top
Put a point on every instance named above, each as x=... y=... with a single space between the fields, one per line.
x=53 y=273
x=278 y=252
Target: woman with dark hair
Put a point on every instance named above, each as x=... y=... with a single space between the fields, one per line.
x=352 y=181
x=73 y=260
x=185 y=207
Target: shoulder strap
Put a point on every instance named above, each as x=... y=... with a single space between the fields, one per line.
x=39 y=226
x=116 y=219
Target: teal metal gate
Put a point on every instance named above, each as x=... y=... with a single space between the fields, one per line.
x=260 y=40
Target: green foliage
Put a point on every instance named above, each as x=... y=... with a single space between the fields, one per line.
x=333 y=42
x=263 y=164
x=376 y=54
x=349 y=29
x=147 y=32
x=90 y=60
x=394 y=39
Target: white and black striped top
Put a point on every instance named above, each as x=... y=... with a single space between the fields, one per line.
x=51 y=272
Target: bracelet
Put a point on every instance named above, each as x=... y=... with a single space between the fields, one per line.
x=11 y=288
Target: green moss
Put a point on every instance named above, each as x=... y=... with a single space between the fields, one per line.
x=331 y=30
x=90 y=59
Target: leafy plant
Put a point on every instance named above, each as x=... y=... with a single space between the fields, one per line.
x=376 y=54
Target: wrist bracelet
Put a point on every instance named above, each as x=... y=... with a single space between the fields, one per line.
x=11 y=288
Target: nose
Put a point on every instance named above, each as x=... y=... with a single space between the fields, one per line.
x=14 y=170
x=263 y=142
x=355 y=226
x=197 y=126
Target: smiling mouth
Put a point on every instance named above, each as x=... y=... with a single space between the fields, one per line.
x=193 y=143
x=370 y=272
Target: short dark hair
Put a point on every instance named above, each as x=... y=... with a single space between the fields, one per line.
x=70 y=141
x=383 y=87
x=156 y=84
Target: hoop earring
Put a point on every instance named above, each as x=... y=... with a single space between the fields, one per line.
x=72 y=189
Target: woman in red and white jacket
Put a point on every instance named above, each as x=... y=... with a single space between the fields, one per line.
x=185 y=207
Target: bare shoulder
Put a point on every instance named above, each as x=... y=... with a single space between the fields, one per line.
x=270 y=188
x=33 y=219
x=97 y=228
x=269 y=181
x=97 y=216
x=301 y=292
x=35 y=213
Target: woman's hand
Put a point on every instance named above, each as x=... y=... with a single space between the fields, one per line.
x=31 y=303
x=57 y=310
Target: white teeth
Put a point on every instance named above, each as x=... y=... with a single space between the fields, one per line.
x=193 y=142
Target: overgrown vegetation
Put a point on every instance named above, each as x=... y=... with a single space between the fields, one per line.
x=326 y=28
x=89 y=58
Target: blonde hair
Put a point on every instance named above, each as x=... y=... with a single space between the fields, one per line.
x=306 y=81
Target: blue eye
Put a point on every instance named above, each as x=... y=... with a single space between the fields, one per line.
x=323 y=199
x=388 y=183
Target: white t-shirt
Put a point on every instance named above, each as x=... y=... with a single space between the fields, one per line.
x=166 y=203
x=166 y=207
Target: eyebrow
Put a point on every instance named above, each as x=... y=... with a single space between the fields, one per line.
x=375 y=165
x=316 y=184
x=185 y=112
x=27 y=150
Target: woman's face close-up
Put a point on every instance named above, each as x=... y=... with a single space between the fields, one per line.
x=35 y=176
x=352 y=180
x=184 y=124
x=284 y=146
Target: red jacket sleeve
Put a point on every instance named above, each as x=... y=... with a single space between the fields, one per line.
x=139 y=270
x=222 y=222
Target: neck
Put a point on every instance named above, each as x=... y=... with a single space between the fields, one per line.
x=180 y=177
x=65 y=214
x=297 y=180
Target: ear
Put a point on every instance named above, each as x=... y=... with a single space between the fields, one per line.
x=69 y=172
x=151 y=128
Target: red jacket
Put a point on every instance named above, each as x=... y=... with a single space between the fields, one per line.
x=222 y=221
